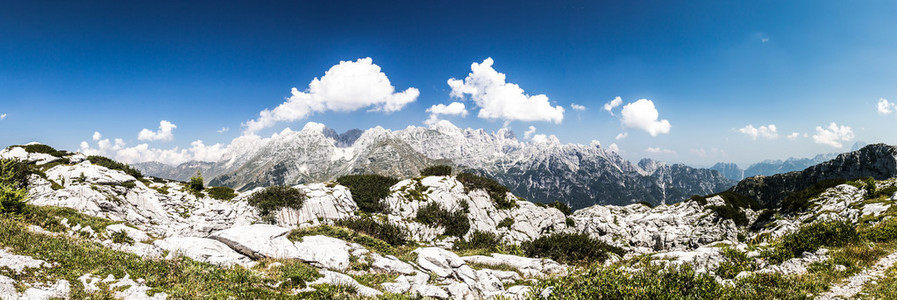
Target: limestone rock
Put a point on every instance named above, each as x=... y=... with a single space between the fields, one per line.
x=258 y=241
x=204 y=250
x=323 y=251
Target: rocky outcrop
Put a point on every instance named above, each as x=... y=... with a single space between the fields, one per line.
x=878 y=161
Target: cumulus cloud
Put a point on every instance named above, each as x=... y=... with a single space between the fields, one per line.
x=657 y=150
x=97 y=135
x=703 y=153
x=643 y=115
x=164 y=133
x=621 y=136
x=2 y=116
x=117 y=149
x=348 y=86
x=767 y=132
x=223 y=130
x=529 y=132
x=575 y=106
x=885 y=107
x=545 y=139
x=613 y=147
x=500 y=100
x=793 y=136
x=833 y=135
x=609 y=107
x=453 y=109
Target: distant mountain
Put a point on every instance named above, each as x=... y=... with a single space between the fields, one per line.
x=729 y=170
x=878 y=161
x=770 y=167
x=580 y=175
x=181 y=172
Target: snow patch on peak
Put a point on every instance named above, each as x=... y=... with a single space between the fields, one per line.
x=314 y=127
x=444 y=126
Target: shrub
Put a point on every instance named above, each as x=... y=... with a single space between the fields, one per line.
x=646 y=204
x=274 y=198
x=437 y=170
x=735 y=262
x=41 y=148
x=563 y=207
x=455 y=223
x=570 y=248
x=388 y=232
x=196 y=182
x=569 y=221
x=738 y=200
x=811 y=237
x=699 y=199
x=479 y=240
x=648 y=282
x=13 y=173
x=884 y=231
x=221 y=193
x=12 y=200
x=730 y=213
x=496 y=191
x=800 y=200
x=506 y=222
x=114 y=165
x=121 y=237
x=368 y=190
x=764 y=218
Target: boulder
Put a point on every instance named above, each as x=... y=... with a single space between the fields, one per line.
x=258 y=241
x=324 y=251
x=204 y=250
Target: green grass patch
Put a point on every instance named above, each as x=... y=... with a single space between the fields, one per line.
x=369 y=242
x=810 y=238
x=384 y=231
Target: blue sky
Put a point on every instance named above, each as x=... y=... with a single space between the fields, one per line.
x=68 y=69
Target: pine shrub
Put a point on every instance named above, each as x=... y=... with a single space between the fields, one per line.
x=368 y=190
x=455 y=223
x=437 y=170
x=388 y=232
x=570 y=248
x=222 y=193
x=274 y=198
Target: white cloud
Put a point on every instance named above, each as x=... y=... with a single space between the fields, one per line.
x=703 y=153
x=833 y=135
x=764 y=40
x=643 y=115
x=142 y=152
x=575 y=106
x=656 y=150
x=223 y=130
x=348 y=86
x=793 y=136
x=613 y=147
x=164 y=133
x=97 y=135
x=453 y=109
x=768 y=131
x=502 y=100
x=542 y=139
x=885 y=107
x=609 y=107
x=529 y=132
x=622 y=135
x=2 y=116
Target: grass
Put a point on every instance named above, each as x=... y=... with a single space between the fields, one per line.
x=884 y=288
x=810 y=238
x=390 y=233
x=369 y=242
x=800 y=201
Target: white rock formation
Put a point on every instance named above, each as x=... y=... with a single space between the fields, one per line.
x=204 y=250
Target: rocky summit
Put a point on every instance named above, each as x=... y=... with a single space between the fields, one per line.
x=541 y=171
x=77 y=226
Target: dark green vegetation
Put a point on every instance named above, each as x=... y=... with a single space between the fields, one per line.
x=480 y=240
x=41 y=148
x=455 y=222
x=496 y=191
x=811 y=237
x=368 y=190
x=800 y=200
x=731 y=209
x=650 y=282
x=222 y=193
x=13 y=180
x=570 y=248
x=505 y=223
x=437 y=170
x=121 y=237
x=195 y=183
x=346 y=234
x=274 y=198
x=382 y=230
x=114 y=165
x=563 y=207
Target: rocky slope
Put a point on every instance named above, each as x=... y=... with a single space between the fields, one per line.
x=878 y=161
x=181 y=172
x=166 y=221
x=579 y=175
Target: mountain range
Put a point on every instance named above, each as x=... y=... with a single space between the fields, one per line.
x=542 y=171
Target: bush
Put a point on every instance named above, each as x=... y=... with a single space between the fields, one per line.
x=196 y=182
x=811 y=237
x=455 y=223
x=569 y=221
x=648 y=282
x=437 y=170
x=646 y=204
x=730 y=213
x=114 y=165
x=884 y=231
x=368 y=190
x=12 y=200
x=496 y=191
x=388 y=232
x=480 y=240
x=121 y=237
x=699 y=199
x=735 y=262
x=14 y=173
x=274 y=198
x=764 y=218
x=221 y=193
x=800 y=200
x=570 y=248
x=41 y=148
x=506 y=222
x=563 y=207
